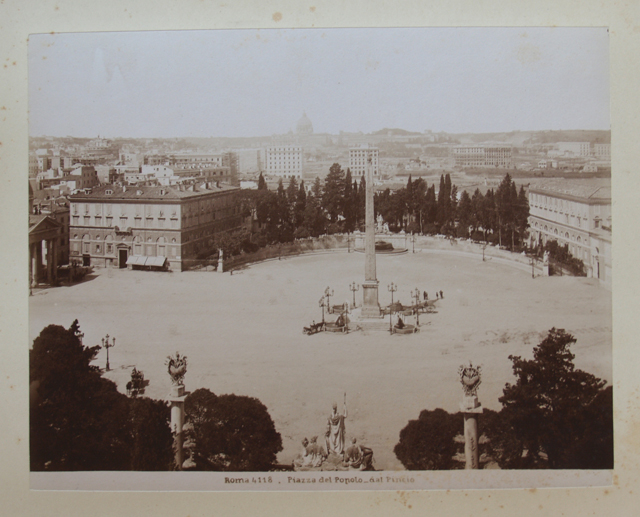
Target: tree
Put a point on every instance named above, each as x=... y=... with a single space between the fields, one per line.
x=230 y=432
x=152 y=440
x=262 y=184
x=554 y=416
x=428 y=443
x=333 y=196
x=79 y=421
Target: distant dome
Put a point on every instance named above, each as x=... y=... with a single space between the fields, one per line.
x=304 y=126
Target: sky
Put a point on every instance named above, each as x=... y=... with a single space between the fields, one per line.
x=242 y=83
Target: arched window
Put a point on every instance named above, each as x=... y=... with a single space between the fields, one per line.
x=137 y=245
x=162 y=247
x=86 y=243
x=108 y=244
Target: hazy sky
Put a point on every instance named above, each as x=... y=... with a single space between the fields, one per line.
x=259 y=82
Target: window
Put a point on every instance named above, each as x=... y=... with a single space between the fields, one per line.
x=109 y=248
x=76 y=220
x=123 y=222
x=137 y=222
x=98 y=220
x=98 y=248
x=109 y=222
x=87 y=220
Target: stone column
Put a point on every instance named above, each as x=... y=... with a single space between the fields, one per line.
x=470 y=378
x=176 y=399
x=471 y=408
x=220 y=262
x=370 y=304
x=34 y=265
x=54 y=261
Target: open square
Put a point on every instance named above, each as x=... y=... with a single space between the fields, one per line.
x=243 y=334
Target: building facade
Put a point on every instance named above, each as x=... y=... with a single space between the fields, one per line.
x=284 y=161
x=358 y=160
x=118 y=226
x=575 y=148
x=216 y=166
x=482 y=156
x=577 y=214
x=602 y=151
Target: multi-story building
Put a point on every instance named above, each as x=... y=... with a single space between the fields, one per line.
x=81 y=177
x=125 y=226
x=33 y=165
x=284 y=161
x=358 y=160
x=574 y=148
x=576 y=213
x=59 y=212
x=482 y=156
x=602 y=151
x=248 y=160
x=216 y=166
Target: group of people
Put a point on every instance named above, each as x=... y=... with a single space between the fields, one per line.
x=355 y=456
x=439 y=295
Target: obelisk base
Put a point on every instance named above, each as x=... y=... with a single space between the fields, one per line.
x=370 y=305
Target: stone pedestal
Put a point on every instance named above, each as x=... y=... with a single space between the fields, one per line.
x=545 y=270
x=471 y=408
x=370 y=305
x=176 y=399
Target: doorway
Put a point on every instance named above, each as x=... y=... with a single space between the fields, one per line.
x=122 y=258
x=86 y=260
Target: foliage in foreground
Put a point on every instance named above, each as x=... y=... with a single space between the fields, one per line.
x=554 y=416
x=79 y=421
x=230 y=432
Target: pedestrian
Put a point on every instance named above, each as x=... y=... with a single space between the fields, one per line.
x=426 y=296
x=436 y=295
x=441 y=295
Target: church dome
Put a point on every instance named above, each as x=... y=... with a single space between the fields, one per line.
x=304 y=126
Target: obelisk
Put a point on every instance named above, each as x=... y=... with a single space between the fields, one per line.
x=370 y=305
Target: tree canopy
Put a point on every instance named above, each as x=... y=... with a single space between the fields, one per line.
x=428 y=442
x=230 y=432
x=79 y=420
x=554 y=416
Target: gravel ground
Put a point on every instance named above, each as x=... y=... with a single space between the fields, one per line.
x=242 y=334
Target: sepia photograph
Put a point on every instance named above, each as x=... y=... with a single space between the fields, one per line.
x=320 y=259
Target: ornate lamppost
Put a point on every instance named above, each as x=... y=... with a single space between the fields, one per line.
x=392 y=288
x=416 y=294
x=321 y=303
x=107 y=345
x=354 y=287
x=328 y=292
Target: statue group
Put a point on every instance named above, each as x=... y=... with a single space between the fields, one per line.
x=335 y=456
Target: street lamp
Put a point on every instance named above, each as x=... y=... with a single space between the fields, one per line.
x=321 y=304
x=107 y=345
x=328 y=292
x=392 y=288
x=354 y=287
x=416 y=294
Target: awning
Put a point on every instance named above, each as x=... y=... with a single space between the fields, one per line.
x=156 y=261
x=136 y=260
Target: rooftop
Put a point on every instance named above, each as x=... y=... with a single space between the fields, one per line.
x=152 y=192
x=585 y=189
